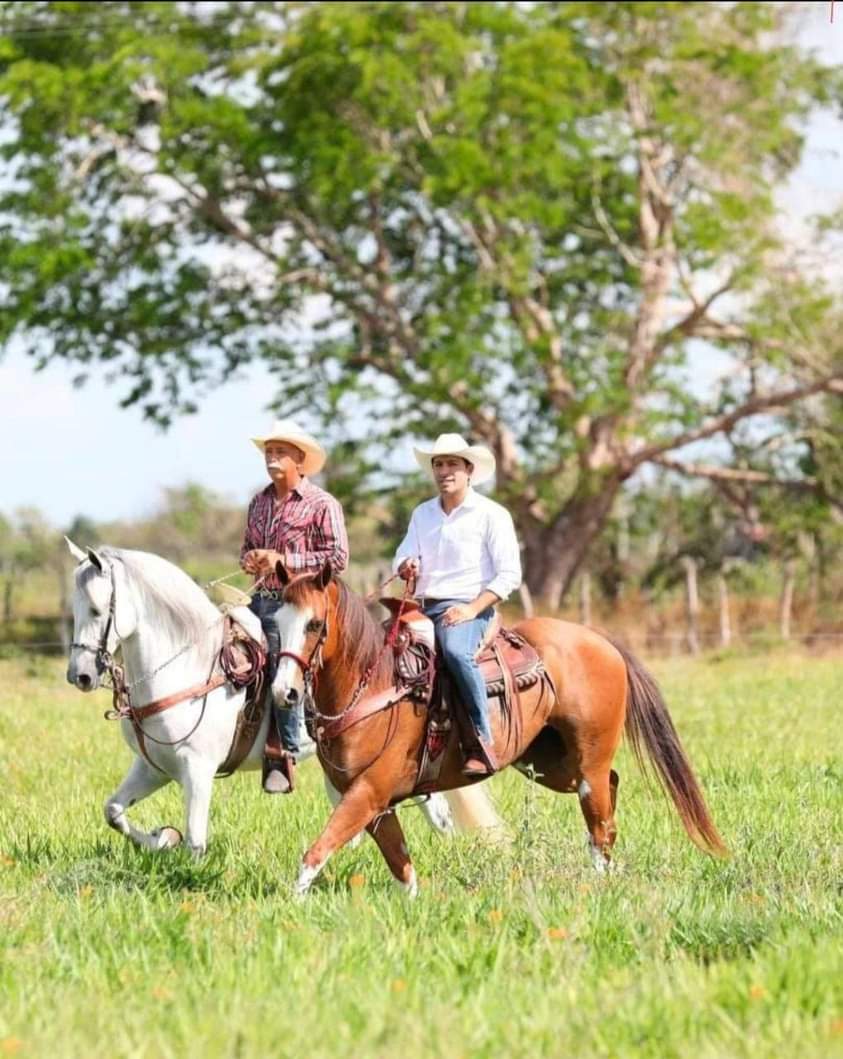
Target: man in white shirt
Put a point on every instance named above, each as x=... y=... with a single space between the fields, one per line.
x=462 y=549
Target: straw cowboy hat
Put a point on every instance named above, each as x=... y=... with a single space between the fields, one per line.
x=456 y=445
x=287 y=430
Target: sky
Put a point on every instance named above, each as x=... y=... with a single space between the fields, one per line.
x=70 y=451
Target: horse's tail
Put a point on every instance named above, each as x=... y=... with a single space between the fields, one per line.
x=649 y=727
x=472 y=809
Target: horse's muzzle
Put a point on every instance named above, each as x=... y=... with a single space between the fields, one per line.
x=81 y=679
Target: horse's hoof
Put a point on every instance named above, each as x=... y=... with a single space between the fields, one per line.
x=305 y=880
x=410 y=888
x=167 y=838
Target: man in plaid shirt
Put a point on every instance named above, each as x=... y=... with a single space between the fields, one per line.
x=296 y=523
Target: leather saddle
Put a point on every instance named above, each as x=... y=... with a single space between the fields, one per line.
x=506 y=661
x=503 y=655
x=244 y=660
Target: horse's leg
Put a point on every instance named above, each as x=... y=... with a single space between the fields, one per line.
x=141 y=781
x=198 y=784
x=359 y=804
x=334 y=797
x=437 y=812
x=552 y=762
x=472 y=809
x=598 y=796
x=386 y=831
x=435 y=807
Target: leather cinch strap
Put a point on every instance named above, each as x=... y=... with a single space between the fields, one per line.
x=159 y=705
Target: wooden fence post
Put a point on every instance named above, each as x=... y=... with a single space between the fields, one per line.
x=786 y=601
x=725 y=618
x=692 y=604
x=585 y=597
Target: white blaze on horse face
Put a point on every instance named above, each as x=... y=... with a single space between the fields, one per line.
x=292 y=625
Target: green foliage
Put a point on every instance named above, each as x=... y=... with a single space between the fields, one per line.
x=452 y=215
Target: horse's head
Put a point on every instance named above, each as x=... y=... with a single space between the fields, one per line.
x=304 y=629
x=102 y=617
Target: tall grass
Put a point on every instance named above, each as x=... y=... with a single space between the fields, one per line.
x=510 y=950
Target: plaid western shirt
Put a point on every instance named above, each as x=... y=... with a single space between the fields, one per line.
x=307 y=527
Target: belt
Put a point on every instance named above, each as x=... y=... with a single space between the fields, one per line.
x=268 y=593
x=427 y=601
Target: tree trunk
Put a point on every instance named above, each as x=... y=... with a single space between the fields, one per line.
x=692 y=604
x=622 y=551
x=554 y=554
x=786 y=601
x=725 y=619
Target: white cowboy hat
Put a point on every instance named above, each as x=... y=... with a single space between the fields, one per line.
x=287 y=430
x=456 y=445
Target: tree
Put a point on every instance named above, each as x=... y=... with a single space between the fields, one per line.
x=27 y=544
x=512 y=220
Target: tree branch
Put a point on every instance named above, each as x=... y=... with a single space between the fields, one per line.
x=658 y=254
x=732 y=474
x=759 y=403
x=689 y=325
x=534 y=320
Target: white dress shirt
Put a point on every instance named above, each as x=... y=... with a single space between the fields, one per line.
x=461 y=554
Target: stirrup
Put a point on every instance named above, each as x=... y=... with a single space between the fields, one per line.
x=279 y=773
x=479 y=760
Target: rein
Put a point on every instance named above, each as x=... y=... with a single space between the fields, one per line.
x=122 y=707
x=309 y=673
x=330 y=719
x=389 y=641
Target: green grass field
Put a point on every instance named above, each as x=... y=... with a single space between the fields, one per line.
x=510 y=950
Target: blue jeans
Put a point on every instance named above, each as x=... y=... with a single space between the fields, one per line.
x=288 y=720
x=458 y=644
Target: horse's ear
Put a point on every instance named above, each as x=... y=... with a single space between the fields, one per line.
x=324 y=575
x=75 y=551
x=281 y=573
x=95 y=559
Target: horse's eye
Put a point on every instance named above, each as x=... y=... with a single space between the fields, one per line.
x=314 y=626
x=94 y=612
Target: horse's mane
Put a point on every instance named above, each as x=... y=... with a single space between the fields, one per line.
x=182 y=604
x=362 y=637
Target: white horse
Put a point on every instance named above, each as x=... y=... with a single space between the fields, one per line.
x=170 y=635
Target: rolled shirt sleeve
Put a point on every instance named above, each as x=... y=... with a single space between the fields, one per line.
x=409 y=547
x=502 y=545
x=250 y=542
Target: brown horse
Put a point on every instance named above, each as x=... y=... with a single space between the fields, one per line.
x=564 y=739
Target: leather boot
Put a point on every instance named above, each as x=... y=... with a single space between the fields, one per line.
x=480 y=760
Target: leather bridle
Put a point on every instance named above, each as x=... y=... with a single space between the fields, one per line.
x=310 y=667
x=102 y=656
